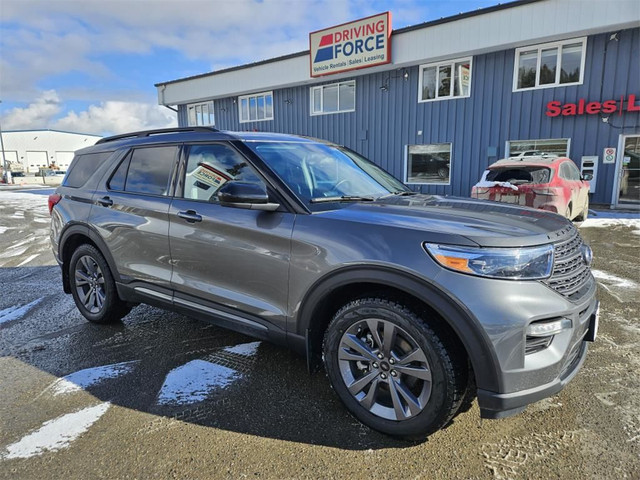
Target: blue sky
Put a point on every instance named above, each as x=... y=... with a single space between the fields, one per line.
x=90 y=65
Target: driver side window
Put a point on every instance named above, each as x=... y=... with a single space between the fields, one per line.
x=209 y=167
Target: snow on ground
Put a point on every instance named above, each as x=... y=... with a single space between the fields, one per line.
x=194 y=381
x=33 y=201
x=90 y=376
x=56 y=434
x=15 y=312
x=247 y=349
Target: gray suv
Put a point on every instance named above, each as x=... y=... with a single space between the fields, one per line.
x=415 y=304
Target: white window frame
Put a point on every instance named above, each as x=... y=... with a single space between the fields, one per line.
x=452 y=64
x=256 y=96
x=406 y=164
x=321 y=88
x=507 y=147
x=545 y=46
x=194 y=107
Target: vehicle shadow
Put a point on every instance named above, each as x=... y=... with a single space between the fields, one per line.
x=173 y=367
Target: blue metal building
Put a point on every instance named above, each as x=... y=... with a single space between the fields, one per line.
x=460 y=92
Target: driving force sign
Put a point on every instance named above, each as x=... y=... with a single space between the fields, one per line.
x=360 y=44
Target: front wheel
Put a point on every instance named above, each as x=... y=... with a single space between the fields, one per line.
x=93 y=288
x=391 y=370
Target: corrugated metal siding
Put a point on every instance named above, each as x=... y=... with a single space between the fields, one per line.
x=386 y=121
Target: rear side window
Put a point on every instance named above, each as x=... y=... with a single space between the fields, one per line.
x=83 y=167
x=145 y=170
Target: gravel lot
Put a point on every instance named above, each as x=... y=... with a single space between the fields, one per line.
x=163 y=396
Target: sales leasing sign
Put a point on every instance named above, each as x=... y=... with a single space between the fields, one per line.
x=360 y=44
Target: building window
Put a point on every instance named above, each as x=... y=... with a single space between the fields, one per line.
x=256 y=108
x=550 y=65
x=439 y=81
x=201 y=114
x=530 y=148
x=428 y=164
x=334 y=98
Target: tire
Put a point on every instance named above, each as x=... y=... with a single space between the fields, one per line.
x=93 y=288
x=443 y=172
x=409 y=388
x=583 y=215
x=568 y=212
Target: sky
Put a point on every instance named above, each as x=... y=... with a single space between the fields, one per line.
x=90 y=66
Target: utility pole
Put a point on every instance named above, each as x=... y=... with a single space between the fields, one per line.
x=7 y=172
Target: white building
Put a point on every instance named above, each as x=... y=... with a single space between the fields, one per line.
x=35 y=149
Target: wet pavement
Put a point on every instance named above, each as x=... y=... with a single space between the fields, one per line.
x=162 y=395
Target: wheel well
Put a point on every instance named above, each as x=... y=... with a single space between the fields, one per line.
x=332 y=302
x=70 y=245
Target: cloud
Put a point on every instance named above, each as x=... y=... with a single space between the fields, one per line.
x=40 y=112
x=104 y=118
x=113 y=117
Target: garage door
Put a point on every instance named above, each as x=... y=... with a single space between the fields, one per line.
x=36 y=160
x=63 y=160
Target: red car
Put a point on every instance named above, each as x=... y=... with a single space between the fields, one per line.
x=547 y=182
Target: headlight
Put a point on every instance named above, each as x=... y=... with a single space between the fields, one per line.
x=527 y=263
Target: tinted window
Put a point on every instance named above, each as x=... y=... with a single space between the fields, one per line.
x=82 y=167
x=150 y=169
x=119 y=178
x=211 y=166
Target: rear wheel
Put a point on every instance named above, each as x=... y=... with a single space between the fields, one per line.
x=93 y=288
x=391 y=370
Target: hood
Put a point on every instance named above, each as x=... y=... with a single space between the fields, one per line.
x=460 y=220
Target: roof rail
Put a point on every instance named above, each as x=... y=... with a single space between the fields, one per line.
x=158 y=131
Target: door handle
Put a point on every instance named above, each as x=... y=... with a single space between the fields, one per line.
x=190 y=216
x=105 y=202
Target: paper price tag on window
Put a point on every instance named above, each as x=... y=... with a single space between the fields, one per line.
x=609 y=155
x=209 y=177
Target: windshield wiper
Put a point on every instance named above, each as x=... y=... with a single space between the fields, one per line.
x=400 y=193
x=343 y=198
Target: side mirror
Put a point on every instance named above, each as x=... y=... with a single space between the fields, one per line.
x=252 y=196
x=587 y=177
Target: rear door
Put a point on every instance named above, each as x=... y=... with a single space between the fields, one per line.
x=227 y=259
x=131 y=213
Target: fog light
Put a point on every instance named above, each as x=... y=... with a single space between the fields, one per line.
x=548 y=328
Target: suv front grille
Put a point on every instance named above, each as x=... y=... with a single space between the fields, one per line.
x=571 y=276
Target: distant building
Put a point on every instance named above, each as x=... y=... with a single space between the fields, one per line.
x=35 y=149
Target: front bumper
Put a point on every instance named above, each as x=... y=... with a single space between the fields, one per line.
x=495 y=405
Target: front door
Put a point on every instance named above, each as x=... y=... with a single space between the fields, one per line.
x=233 y=258
x=629 y=172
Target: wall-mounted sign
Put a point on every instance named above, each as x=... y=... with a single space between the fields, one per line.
x=556 y=108
x=609 y=155
x=360 y=44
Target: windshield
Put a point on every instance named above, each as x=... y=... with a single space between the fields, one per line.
x=319 y=173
